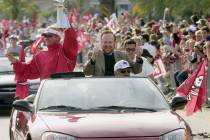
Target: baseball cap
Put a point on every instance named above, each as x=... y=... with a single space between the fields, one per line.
x=51 y=30
x=122 y=64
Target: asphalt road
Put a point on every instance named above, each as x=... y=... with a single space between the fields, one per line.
x=199 y=122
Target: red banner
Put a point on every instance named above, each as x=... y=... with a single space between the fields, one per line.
x=159 y=68
x=195 y=89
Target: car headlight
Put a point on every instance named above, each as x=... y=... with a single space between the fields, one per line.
x=56 y=136
x=175 y=135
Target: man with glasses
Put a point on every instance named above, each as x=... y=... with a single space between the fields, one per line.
x=131 y=51
x=58 y=58
x=122 y=68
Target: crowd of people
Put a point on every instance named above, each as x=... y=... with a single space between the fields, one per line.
x=166 y=52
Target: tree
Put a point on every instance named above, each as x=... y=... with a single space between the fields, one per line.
x=154 y=9
x=16 y=9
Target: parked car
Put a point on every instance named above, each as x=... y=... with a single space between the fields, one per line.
x=8 y=84
x=106 y=108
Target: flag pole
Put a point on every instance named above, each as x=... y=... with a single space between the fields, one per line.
x=164 y=16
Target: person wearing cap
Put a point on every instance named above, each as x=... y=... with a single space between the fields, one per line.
x=122 y=68
x=102 y=62
x=58 y=58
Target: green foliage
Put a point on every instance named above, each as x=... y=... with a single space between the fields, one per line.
x=16 y=9
x=154 y=9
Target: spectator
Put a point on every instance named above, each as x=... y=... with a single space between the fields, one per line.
x=122 y=68
x=132 y=50
x=14 y=49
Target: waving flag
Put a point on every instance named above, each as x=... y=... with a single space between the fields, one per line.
x=159 y=68
x=83 y=39
x=113 y=23
x=74 y=17
x=194 y=88
x=86 y=18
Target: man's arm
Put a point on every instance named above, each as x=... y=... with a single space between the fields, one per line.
x=70 y=45
x=23 y=70
x=136 y=66
x=89 y=68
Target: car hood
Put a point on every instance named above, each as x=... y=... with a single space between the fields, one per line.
x=112 y=125
x=7 y=79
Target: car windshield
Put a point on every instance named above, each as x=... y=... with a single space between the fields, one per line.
x=5 y=66
x=103 y=93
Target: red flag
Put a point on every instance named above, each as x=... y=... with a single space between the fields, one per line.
x=85 y=19
x=34 y=20
x=159 y=68
x=4 y=32
x=195 y=89
x=83 y=39
x=74 y=16
x=35 y=45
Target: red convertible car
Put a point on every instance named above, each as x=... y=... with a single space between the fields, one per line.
x=81 y=108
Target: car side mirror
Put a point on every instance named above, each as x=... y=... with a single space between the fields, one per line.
x=23 y=105
x=178 y=103
x=30 y=98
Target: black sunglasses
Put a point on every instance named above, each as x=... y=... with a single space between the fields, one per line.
x=48 y=35
x=130 y=49
x=125 y=70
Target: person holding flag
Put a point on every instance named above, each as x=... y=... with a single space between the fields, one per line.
x=58 y=58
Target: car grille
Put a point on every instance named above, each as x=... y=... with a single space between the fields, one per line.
x=7 y=93
x=7 y=88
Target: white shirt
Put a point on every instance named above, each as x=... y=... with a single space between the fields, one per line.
x=151 y=49
x=147 y=69
x=2 y=52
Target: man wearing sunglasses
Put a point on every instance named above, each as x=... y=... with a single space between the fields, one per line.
x=122 y=68
x=58 y=58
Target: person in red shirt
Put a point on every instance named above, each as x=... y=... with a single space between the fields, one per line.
x=58 y=58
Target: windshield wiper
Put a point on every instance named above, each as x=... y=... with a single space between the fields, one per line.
x=60 y=107
x=127 y=108
x=6 y=72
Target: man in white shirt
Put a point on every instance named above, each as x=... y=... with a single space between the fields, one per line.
x=132 y=50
